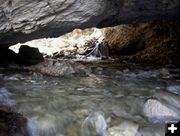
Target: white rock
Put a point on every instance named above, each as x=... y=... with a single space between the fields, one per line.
x=94 y=125
x=154 y=109
x=174 y=89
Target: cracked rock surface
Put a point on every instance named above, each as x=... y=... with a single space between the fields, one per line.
x=23 y=20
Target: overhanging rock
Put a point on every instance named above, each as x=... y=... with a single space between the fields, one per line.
x=24 y=20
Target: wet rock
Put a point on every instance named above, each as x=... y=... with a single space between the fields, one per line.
x=97 y=49
x=57 y=55
x=157 y=111
x=60 y=68
x=94 y=125
x=12 y=123
x=129 y=108
x=12 y=78
x=29 y=55
x=164 y=72
x=73 y=129
x=169 y=98
x=124 y=129
x=152 y=130
x=174 y=89
x=81 y=113
x=5 y=97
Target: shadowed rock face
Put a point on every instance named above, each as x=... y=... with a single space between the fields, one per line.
x=23 y=20
x=155 y=42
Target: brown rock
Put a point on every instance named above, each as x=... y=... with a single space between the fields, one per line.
x=153 y=42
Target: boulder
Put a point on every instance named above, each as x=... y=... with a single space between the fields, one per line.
x=24 y=20
x=94 y=125
x=60 y=68
x=155 y=110
x=29 y=55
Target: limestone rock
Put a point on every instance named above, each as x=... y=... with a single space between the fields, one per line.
x=155 y=110
x=24 y=20
x=60 y=68
x=123 y=39
x=151 y=42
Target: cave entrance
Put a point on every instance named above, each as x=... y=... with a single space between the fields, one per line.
x=154 y=42
x=78 y=44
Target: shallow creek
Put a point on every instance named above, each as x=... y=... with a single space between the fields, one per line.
x=115 y=100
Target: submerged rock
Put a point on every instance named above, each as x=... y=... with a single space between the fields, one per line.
x=5 y=97
x=157 y=111
x=152 y=130
x=60 y=68
x=94 y=125
x=124 y=129
x=169 y=98
x=174 y=89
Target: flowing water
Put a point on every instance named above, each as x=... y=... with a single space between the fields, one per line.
x=115 y=100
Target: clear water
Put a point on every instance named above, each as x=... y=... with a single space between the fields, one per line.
x=59 y=106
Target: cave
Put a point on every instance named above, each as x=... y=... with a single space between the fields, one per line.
x=89 y=68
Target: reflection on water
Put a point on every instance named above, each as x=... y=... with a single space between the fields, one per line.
x=114 y=99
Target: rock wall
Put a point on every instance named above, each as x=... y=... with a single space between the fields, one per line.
x=24 y=20
x=153 y=42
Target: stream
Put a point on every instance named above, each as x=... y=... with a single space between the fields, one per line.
x=115 y=100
